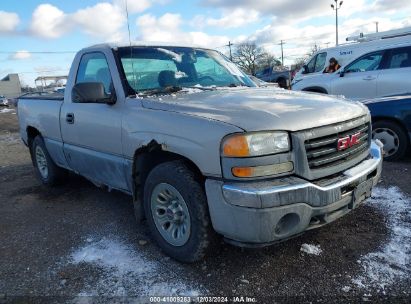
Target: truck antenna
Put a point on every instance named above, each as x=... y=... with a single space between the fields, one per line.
x=131 y=47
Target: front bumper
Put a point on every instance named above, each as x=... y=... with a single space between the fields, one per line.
x=264 y=212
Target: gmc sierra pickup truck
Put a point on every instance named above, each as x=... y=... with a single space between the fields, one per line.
x=201 y=149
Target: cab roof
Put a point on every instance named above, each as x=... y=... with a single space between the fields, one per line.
x=142 y=43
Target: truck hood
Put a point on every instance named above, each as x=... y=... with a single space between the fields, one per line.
x=258 y=109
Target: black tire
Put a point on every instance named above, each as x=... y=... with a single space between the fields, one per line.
x=397 y=131
x=55 y=174
x=202 y=236
x=282 y=83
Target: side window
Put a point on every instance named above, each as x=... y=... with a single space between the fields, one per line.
x=311 y=65
x=399 y=58
x=369 y=62
x=94 y=68
x=320 y=62
x=146 y=73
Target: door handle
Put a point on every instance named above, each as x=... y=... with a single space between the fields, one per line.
x=369 y=78
x=70 y=118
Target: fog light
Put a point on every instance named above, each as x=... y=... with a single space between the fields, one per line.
x=287 y=224
x=260 y=171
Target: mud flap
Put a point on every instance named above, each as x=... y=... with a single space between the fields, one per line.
x=361 y=193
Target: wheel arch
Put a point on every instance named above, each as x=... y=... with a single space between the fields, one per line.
x=315 y=89
x=31 y=132
x=144 y=160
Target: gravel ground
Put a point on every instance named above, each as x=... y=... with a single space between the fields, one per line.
x=79 y=244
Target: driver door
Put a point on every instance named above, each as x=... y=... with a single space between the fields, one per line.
x=92 y=131
x=359 y=79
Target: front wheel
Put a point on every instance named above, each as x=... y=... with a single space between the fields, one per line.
x=177 y=212
x=393 y=137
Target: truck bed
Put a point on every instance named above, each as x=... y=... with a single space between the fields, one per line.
x=42 y=113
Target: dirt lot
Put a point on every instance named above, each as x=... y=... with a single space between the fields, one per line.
x=78 y=243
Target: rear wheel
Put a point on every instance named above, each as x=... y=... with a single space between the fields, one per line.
x=282 y=83
x=393 y=137
x=47 y=171
x=177 y=212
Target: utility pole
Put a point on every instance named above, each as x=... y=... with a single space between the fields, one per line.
x=376 y=26
x=282 y=52
x=229 y=45
x=336 y=7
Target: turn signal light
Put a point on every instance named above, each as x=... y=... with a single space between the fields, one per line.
x=260 y=171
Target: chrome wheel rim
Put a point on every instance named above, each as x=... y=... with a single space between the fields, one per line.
x=41 y=162
x=170 y=214
x=389 y=138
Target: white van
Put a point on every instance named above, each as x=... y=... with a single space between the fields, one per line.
x=379 y=65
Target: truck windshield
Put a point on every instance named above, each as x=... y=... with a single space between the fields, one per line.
x=157 y=68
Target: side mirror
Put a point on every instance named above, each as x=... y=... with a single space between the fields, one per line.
x=305 y=67
x=342 y=73
x=91 y=92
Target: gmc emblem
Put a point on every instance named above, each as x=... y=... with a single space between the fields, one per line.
x=348 y=141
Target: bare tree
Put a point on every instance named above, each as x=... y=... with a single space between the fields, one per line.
x=268 y=60
x=246 y=56
x=250 y=57
x=299 y=62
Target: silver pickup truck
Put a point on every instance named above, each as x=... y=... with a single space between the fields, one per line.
x=202 y=151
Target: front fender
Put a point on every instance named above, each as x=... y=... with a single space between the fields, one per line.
x=197 y=139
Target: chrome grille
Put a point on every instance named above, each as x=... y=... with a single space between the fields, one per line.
x=322 y=151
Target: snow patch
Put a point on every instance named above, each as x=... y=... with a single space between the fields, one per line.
x=10 y=138
x=6 y=110
x=391 y=263
x=311 y=249
x=346 y=288
x=127 y=271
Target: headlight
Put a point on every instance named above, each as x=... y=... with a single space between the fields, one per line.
x=255 y=144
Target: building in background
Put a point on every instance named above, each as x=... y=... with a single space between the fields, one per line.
x=50 y=83
x=10 y=86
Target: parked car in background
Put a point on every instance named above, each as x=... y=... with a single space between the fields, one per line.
x=391 y=120
x=379 y=73
x=4 y=101
x=283 y=78
x=200 y=148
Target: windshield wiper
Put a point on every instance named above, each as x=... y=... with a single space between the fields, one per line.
x=167 y=90
x=200 y=88
x=170 y=90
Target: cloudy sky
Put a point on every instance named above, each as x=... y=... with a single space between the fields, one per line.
x=40 y=38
